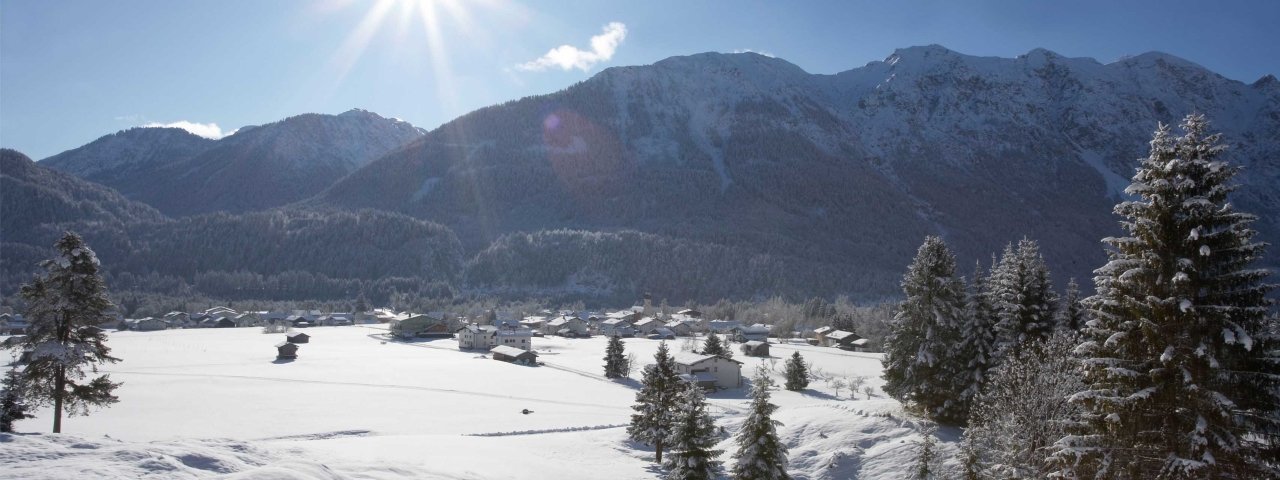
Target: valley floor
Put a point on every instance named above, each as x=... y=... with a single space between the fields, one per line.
x=214 y=402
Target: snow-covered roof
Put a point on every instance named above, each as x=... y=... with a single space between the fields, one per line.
x=520 y=332
x=473 y=328
x=754 y=343
x=822 y=330
x=839 y=335
x=690 y=359
x=616 y=322
x=511 y=351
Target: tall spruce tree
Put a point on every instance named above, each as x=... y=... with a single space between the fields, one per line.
x=797 y=373
x=13 y=406
x=693 y=438
x=655 y=402
x=65 y=306
x=1181 y=367
x=615 y=361
x=1073 y=315
x=977 y=340
x=715 y=347
x=761 y=455
x=921 y=361
x=1023 y=297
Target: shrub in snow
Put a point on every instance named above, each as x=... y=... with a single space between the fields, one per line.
x=66 y=306
x=655 y=402
x=1182 y=378
x=928 y=462
x=12 y=406
x=921 y=355
x=797 y=373
x=761 y=455
x=692 y=439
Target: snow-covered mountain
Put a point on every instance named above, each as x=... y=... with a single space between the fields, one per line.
x=846 y=172
x=256 y=168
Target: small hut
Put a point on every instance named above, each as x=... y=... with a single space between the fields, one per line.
x=506 y=353
x=298 y=337
x=286 y=351
x=755 y=348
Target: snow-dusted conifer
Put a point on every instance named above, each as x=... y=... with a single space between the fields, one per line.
x=977 y=340
x=1072 y=315
x=715 y=347
x=655 y=402
x=920 y=360
x=13 y=406
x=761 y=455
x=615 y=362
x=797 y=373
x=693 y=438
x=928 y=460
x=65 y=306
x=1023 y=297
x=1182 y=365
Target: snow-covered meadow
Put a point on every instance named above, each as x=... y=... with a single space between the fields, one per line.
x=208 y=402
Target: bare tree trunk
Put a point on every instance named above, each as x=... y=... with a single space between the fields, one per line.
x=57 y=400
x=658 y=448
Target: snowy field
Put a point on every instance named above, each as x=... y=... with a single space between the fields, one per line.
x=214 y=402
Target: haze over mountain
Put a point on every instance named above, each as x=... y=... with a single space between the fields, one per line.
x=256 y=168
x=711 y=175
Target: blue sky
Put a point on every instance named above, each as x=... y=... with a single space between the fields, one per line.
x=71 y=71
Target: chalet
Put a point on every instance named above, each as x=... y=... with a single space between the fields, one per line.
x=571 y=326
x=647 y=325
x=335 y=320
x=755 y=348
x=842 y=339
x=149 y=324
x=747 y=333
x=521 y=338
x=662 y=333
x=421 y=326
x=286 y=351
x=477 y=337
x=300 y=321
x=298 y=338
x=723 y=326
x=617 y=327
x=13 y=324
x=709 y=371
x=535 y=323
x=629 y=315
x=248 y=319
x=220 y=311
x=679 y=328
x=224 y=322
x=178 y=319
x=197 y=319
x=505 y=353
x=820 y=333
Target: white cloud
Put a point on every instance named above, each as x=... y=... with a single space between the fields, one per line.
x=206 y=130
x=569 y=57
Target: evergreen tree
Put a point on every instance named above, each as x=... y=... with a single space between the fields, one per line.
x=921 y=361
x=760 y=455
x=615 y=362
x=1072 y=315
x=1182 y=363
x=797 y=373
x=977 y=340
x=715 y=347
x=928 y=462
x=65 y=306
x=655 y=402
x=692 y=438
x=12 y=405
x=1023 y=297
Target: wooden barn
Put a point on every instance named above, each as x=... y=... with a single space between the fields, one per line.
x=298 y=337
x=286 y=351
x=506 y=353
x=755 y=348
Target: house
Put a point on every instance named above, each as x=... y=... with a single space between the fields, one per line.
x=149 y=324
x=178 y=319
x=629 y=315
x=521 y=338
x=220 y=311
x=505 y=353
x=572 y=327
x=335 y=320
x=421 y=326
x=757 y=332
x=617 y=327
x=478 y=337
x=679 y=328
x=662 y=333
x=224 y=322
x=709 y=371
x=286 y=351
x=841 y=339
x=298 y=338
x=820 y=333
x=248 y=320
x=723 y=326
x=647 y=325
x=535 y=323
x=13 y=324
x=299 y=321
x=755 y=348
x=689 y=312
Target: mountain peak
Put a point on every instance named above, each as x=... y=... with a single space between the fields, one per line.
x=920 y=52
x=1266 y=81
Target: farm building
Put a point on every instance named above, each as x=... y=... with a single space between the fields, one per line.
x=574 y=326
x=647 y=325
x=662 y=333
x=286 y=351
x=474 y=336
x=755 y=348
x=841 y=339
x=178 y=319
x=148 y=324
x=421 y=326
x=514 y=355
x=680 y=328
x=757 y=332
x=820 y=333
x=709 y=371
x=616 y=327
x=224 y=322
x=298 y=338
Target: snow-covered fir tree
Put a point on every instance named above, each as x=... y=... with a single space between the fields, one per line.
x=1182 y=365
x=977 y=340
x=928 y=459
x=13 y=406
x=761 y=455
x=615 y=361
x=921 y=361
x=1023 y=297
x=655 y=402
x=715 y=347
x=693 y=438
x=1023 y=410
x=66 y=305
x=797 y=373
x=1072 y=314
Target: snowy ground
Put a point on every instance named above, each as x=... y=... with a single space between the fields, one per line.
x=213 y=402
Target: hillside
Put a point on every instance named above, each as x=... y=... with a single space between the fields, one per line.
x=848 y=170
